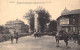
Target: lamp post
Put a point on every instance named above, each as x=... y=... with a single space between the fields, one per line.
x=47 y=26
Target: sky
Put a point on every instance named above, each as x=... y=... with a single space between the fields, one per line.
x=16 y=9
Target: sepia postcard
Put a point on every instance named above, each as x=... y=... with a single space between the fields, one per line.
x=39 y=24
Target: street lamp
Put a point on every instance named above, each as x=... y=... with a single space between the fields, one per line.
x=47 y=26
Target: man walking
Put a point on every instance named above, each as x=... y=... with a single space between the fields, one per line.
x=16 y=36
x=12 y=34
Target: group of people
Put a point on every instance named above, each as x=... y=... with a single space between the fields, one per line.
x=66 y=36
x=13 y=35
x=75 y=36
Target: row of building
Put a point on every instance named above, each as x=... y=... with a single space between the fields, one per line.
x=69 y=21
x=17 y=25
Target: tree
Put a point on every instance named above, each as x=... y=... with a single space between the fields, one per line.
x=30 y=17
x=4 y=30
x=1 y=29
x=52 y=26
x=43 y=18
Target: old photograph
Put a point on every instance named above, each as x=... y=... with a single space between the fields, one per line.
x=39 y=24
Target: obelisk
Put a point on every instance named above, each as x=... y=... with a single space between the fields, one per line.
x=35 y=23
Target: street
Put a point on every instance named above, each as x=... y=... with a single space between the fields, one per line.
x=32 y=43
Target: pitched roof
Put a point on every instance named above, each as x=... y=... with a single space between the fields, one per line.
x=67 y=12
x=77 y=11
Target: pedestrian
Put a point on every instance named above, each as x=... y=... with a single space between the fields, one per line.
x=16 y=37
x=12 y=35
x=12 y=38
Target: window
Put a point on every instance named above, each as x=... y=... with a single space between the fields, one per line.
x=73 y=21
x=64 y=21
x=65 y=28
x=74 y=29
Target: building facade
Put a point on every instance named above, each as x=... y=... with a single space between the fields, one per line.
x=17 y=25
x=69 y=21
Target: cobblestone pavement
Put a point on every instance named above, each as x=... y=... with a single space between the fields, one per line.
x=43 y=43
